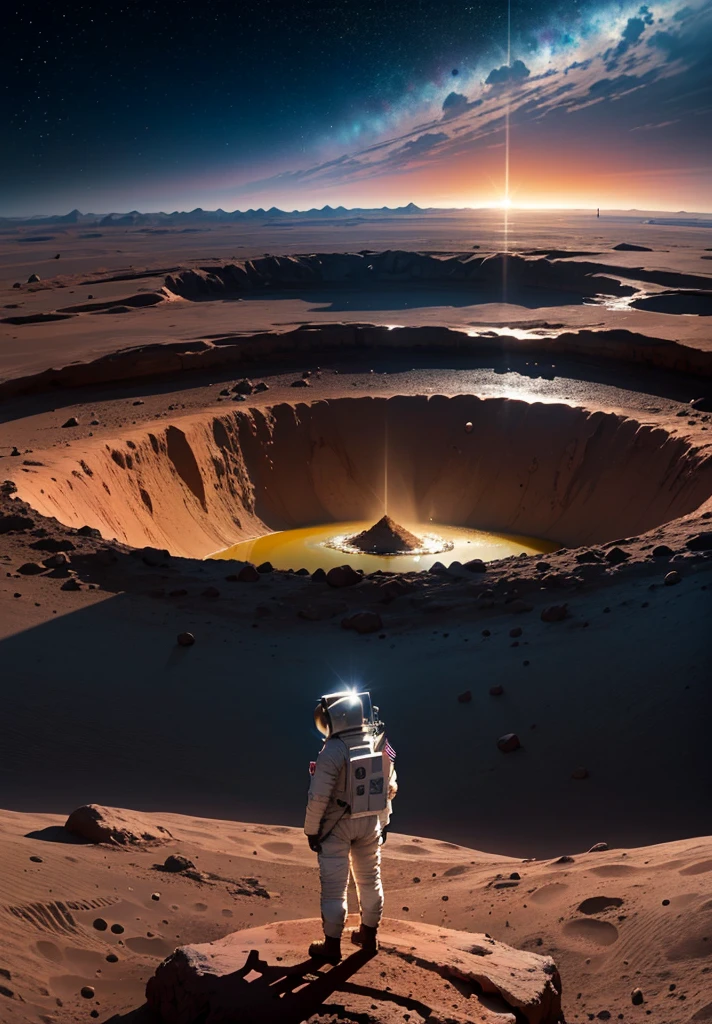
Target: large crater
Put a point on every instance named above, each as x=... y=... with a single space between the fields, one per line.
x=207 y=481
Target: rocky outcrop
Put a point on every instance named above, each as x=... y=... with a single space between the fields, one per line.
x=97 y=824
x=236 y=978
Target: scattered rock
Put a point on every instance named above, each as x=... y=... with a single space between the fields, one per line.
x=598 y=848
x=475 y=565
x=555 y=613
x=700 y=542
x=185 y=639
x=36 y=860
x=661 y=551
x=318 y=576
x=155 y=557
x=342 y=576
x=113 y=825
x=155 y=896
x=300 y=383
x=636 y=997
x=261 y=386
x=515 y=632
x=15 y=452
x=100 y=924
x=248 y=574
x=563 y=860
x=57 y=561
x=176 y=862
x=265 y=567
x=363 y=622
x=496 y=691
x=465 y=697
x=543 y=566
x=112 y=958
x=71 y=584
x=672 y=578
x=33 y=279
x=616 y=556
x=117 y=929
x=243 y=387
x=30 y=569
x=87 y=991
x=588 y=556
x=71 y=422
x=508 y=743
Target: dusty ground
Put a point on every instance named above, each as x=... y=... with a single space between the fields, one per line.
x=613 y=921
x=99 y=702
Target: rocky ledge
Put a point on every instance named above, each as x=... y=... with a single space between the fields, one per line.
x=430 y=972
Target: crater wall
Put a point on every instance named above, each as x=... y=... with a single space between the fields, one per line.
x=207 y=481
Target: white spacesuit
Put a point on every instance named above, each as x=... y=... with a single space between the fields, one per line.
x=352 y=786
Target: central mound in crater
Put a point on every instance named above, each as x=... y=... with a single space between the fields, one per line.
x=385 y=538
x=207 y=481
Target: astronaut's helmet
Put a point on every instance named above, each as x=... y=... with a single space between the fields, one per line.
x=342 y=712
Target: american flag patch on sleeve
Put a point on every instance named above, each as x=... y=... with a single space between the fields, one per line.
x=389 y=750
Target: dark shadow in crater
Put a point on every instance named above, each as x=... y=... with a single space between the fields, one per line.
x=389 y=298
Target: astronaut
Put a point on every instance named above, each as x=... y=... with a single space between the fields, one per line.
x=352 y=786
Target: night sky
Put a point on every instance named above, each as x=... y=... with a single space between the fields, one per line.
x=259 y=102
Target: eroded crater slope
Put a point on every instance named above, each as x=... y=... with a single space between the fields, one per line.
x=206 y=481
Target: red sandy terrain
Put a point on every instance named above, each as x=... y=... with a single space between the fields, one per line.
x=130 y=453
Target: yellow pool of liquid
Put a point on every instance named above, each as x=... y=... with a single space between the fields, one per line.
x=307 y=548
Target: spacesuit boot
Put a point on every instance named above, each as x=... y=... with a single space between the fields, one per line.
x=366 y=938
x=327 y=949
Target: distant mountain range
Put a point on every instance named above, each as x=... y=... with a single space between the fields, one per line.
x=180 y=218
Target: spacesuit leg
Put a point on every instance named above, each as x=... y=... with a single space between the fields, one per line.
x=334 y=876
x=366 y=867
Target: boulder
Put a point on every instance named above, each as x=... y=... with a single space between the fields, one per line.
x=555 y=613
x=33 y=279
x=300 y=383
x=342 y=576
x=672 y=578
x=243 y=387
x=248 y=574
x=508 y=743
x=174 y=863
x=662 y=551
x=235 y=978
x=113 y=825
x=616 y=556
x=71 y=422
x=363 y=622
x=185 y=639
x=30 y=569
x=155 y=557
x=475 y=565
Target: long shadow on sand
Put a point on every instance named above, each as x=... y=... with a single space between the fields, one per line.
x=284 y=995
